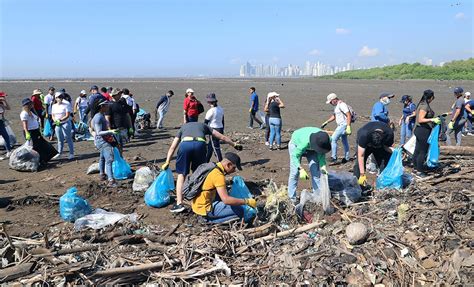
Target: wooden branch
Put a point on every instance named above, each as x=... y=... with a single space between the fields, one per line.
x=18 y=271
x=67 y=251
x=456 y=150
x=134 y=269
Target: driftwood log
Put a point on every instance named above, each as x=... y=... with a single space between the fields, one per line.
x=457 y=150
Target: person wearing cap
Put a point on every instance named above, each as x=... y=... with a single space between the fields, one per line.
x=119 y=118
x=380 y=109
x=457 y=122
x=162 y=108
x=4 y=106
x=191 y=144
x=215 y=119
x=375 y=138
x=31 y=129
x=61 y=115
x=273 y=105
x=407 y=120
x=343 y=117
x=80 y=106
x=254 y=109
x=104 y=141
x=312 y=143
x=214 y=203
x=94 y=98
x=425 y=121
x=38 y=105
x=190 y=107
x=469 y=106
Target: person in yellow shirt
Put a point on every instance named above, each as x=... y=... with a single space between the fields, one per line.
x=214 y=203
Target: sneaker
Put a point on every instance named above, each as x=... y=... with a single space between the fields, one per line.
x=112 y=183
x=262 y=126
x=270 y=147
x=56 y=156
x=278 y=147
x=470 y=134
x=343 y=161
x=267 y=143
x=177 y=208
x=8 y=154
x=249 y=127
x=333 y=160
x=71 y=156
x=103 y=177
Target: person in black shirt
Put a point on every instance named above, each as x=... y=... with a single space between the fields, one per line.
x=118 y=117
x=272 y=107
x=373 y=138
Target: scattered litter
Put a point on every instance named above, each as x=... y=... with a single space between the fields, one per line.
x=144 y=176
x=72 y=206
x=158 y=194
x=24 y=158
x=240 y=190
x=100 y=218
x=356 y=233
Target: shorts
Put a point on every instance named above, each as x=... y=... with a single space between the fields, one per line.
x=191 y=154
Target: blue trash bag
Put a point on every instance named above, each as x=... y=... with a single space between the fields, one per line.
x=120 y=168
x=391 y=176
x=158 y=194
x=81 y=128
x=48 y=130
x=72 y=206
x=432 y=160
x=240 y=190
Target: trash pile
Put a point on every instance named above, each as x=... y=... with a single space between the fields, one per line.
x=421 y=235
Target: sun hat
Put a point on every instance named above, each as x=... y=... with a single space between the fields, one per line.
x=320 y=142
x=330 y=97
x=57 y=94
x=26 y=101
x=234 y=158
x=211 y=97
x=189 y=91
x=83 y=92
x=467 y=94
x=386 y=94
x=272 y=94
x=36 y=92
x=115 y=92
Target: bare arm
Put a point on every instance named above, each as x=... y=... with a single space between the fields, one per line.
x=227 y=199
x=173 y=147
x=280 y=103
x=331 y=118
x=468 y=108
x=348 y=118
x=25 y=126
x=223 y=138
x=360 y=159
x=422 y=117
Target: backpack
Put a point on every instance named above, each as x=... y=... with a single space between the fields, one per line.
x=200 y=107
x=193 y=184
x=353 y=113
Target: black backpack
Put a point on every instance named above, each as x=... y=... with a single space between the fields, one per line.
x=193 y=183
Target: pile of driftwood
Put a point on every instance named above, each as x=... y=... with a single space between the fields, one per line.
x=420 y=236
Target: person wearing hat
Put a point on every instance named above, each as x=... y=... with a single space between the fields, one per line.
x=273 y=105
x=190 y=142
x=457 y=122
x=4 y=106
x=94 y=98
x=380 y=109
x=373 y=138
x=254 y=109
x=214 y=203
x=61 y=115
x=162 y=108
x=38 y=105
x=31 y=130
x=104 y=141
x=190 y=107
x=343 y=117
x=119 y=118
x=407 y=120
x=469 y=106
x=312 y=143
x=215 y=119
x=80 y=106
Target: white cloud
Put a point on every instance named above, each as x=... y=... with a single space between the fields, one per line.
x=342 y=31
x=314 y=52
x=368 y=52
x=459 y=16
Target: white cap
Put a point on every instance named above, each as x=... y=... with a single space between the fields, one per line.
x=330 y=97
x=83 y=92
x=189 y=91
x=56 y=94
x=272 y=94
x=467 y=94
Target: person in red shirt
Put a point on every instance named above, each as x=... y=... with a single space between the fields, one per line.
x=38 y=105
x=106 y=94
x=190 y=107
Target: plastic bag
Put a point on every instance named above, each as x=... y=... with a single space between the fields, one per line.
x=25 y=158
x=101 y=218
x=371 y=165
x=48 y=129
x=432 y=159
x=10 y=133
x=409 y=146
x=261 y=116
x=158 y=194
x=120 y=168
x=240 y=190
x=81 y=128
x=72 y=206
x=325 y=194
x=144 y=176
x=344 y=187
x=93 y=168
x=391 y=176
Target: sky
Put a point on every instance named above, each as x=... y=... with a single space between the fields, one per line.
x=144 y=38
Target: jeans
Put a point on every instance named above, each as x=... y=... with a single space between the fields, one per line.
x=315 y=173
x=406 y=130
x=275 y=130
x=422 y=134
x=214 y=146
x=267 y=129
x=106 y=159
x=222 y=212
x=254 y=117
x=162 y=114
x=64 y=132
x=458 y=125
x=340 y=132
x=82 y=114
x=469 y=125
x=190 y=119
x=5 y=135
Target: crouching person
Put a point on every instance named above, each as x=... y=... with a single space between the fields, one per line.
x=214 y=203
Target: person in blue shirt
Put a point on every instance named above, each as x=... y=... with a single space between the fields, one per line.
x=254 y=109
x=94 y=99
x=469 y=110
x=407 y=120
x=380 y=109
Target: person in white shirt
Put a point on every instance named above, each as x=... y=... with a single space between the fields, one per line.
x=61 y=115
x=215 y=120
x=80 y=106
x=162 y=108
x=343 y=118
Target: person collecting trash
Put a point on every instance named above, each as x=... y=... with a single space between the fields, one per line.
x=312 y=143
x=191 y=144
x=407 y=120
x=61 y=115
x=215 y=119
x=457 y=122
x=162 y=108
x=343 y=117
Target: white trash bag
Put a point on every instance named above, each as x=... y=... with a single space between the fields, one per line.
x=93 y=168
x=100 y=218
x=25 y=158
x=11 y=134
x=144 y=177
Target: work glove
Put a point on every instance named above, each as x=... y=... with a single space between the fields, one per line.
x=57 y=122
x=324 y=124
x=239 y=147
x=250 y=110
x=451 y=125
x=303 y=174
x=250 y=202
x=323 y=169
x=348 y=130
x=362 y=180
x=115 y=132
x=472 y=112
x=27 y=136
x=165 y=166
x=130 y=131
x=436 y=121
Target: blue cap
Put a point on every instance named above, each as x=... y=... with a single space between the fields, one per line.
x=211 y=97
x=386 y=94
x=26 y=101
x=94 y=88
x=458 y=90
x=404 y=98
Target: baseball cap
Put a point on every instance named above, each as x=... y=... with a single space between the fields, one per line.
x=211 y=97
x=63 y=90
x=115 y=92
x=320 y=142
x=233 y=158
x=404 y=98
x=26 y=101
x=94 y=88
x=189 y=91
x=386 y=94
x=36 y=92
x=83 y=92
x=467 y=94
x=272 y=94
x=458 y=90
x=330 y=97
